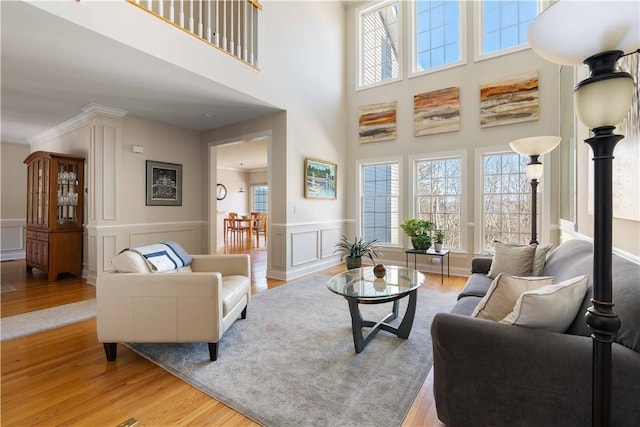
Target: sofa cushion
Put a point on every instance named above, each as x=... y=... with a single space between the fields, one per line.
x=466 y=305
x=477 y=285
x=503 y=294
x=540 y=258
x=130 y=262
x=234 y=288
x=551 y=307
x=514 y=260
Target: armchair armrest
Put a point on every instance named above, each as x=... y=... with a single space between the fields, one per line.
x=227 y=265
x=509 y=375
x=481 y=264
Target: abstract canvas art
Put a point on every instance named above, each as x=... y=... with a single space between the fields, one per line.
x=377 y=122
x=513 y=99
x=437 y=111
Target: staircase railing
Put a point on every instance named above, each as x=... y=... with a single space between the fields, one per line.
x=230 y=25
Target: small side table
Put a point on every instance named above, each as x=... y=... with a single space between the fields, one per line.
x=430 y=252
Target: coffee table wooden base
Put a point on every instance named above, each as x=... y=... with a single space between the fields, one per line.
x=357 y=322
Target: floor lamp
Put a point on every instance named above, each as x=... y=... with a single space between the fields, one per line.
x=596 y=34
x=534 y=147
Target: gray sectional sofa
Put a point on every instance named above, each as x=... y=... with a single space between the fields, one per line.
x=492 y=374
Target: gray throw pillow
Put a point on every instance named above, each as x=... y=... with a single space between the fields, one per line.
x=514 y=260
x=540 y=259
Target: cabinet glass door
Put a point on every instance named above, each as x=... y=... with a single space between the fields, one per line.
x=67 y=212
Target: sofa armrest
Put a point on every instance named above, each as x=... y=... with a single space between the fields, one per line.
x=481 y=264
x=227 y=265
x=487 y=373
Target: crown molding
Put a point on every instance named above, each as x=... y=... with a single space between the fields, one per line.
x=88 y=112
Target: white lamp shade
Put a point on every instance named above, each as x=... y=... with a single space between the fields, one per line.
x=534 y=171
x=568 y=32
x=604 y=102
x=535 y=146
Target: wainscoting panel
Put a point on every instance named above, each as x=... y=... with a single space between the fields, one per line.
x=304 y=247
x=12 y=239
x=328 y=239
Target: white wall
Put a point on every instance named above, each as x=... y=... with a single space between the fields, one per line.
x=470 y=136
x=13 y=205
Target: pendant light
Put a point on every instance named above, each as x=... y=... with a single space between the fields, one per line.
x=241 y=179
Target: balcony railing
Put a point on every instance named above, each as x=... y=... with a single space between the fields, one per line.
x=230 y=25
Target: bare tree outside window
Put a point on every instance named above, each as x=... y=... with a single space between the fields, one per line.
x=506 y=200
x=439 y=196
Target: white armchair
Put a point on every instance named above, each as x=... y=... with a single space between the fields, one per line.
x=196 y=304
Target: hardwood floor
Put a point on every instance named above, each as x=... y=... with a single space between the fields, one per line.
x=61 y=377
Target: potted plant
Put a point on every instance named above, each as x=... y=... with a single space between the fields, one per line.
x=354 y=251
x=419 y=230
x=439 y=240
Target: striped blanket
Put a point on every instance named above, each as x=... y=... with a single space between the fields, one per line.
x=164 y=256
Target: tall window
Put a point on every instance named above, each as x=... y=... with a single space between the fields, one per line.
x=505 y=23
x=506 y=200
x=260 y=196
x=380 y=194
x=439 y=196
x=379 y=44
x=437 y=37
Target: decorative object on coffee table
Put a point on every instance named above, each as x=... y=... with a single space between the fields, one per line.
x=353 y=252
x=379 y=271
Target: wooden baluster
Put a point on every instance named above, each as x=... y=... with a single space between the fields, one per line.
x=208 y=21
x=224 y=24
x=182 y=13
x=232 y=44
x=217 y=24
x=161 y=8
x=251 y=36
x=200 y=20
x=171 y=12
x=245 y=55
x=239 y=39
x=191 y=15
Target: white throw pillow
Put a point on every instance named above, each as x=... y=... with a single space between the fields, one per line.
x=130 y=262
x=540 y=259
x=514 y=260
x=551 y=307
x=503 y=293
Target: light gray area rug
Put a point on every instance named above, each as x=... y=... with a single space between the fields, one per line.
x=292 y=361
x=43 y=320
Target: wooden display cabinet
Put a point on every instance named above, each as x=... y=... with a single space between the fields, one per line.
x=55 y=190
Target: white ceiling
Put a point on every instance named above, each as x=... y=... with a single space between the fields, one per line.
x=50 y=71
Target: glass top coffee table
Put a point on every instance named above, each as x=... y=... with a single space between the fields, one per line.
x=360 y=286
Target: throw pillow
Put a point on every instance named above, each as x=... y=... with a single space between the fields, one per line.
x=540 y=258
x=514 y=260
x=503 y=293
x=129 y=261
x=551 y=307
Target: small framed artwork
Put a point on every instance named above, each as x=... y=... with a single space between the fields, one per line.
x=164 y=184
x=320 y=179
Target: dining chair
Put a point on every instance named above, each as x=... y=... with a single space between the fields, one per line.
x=259 y=220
